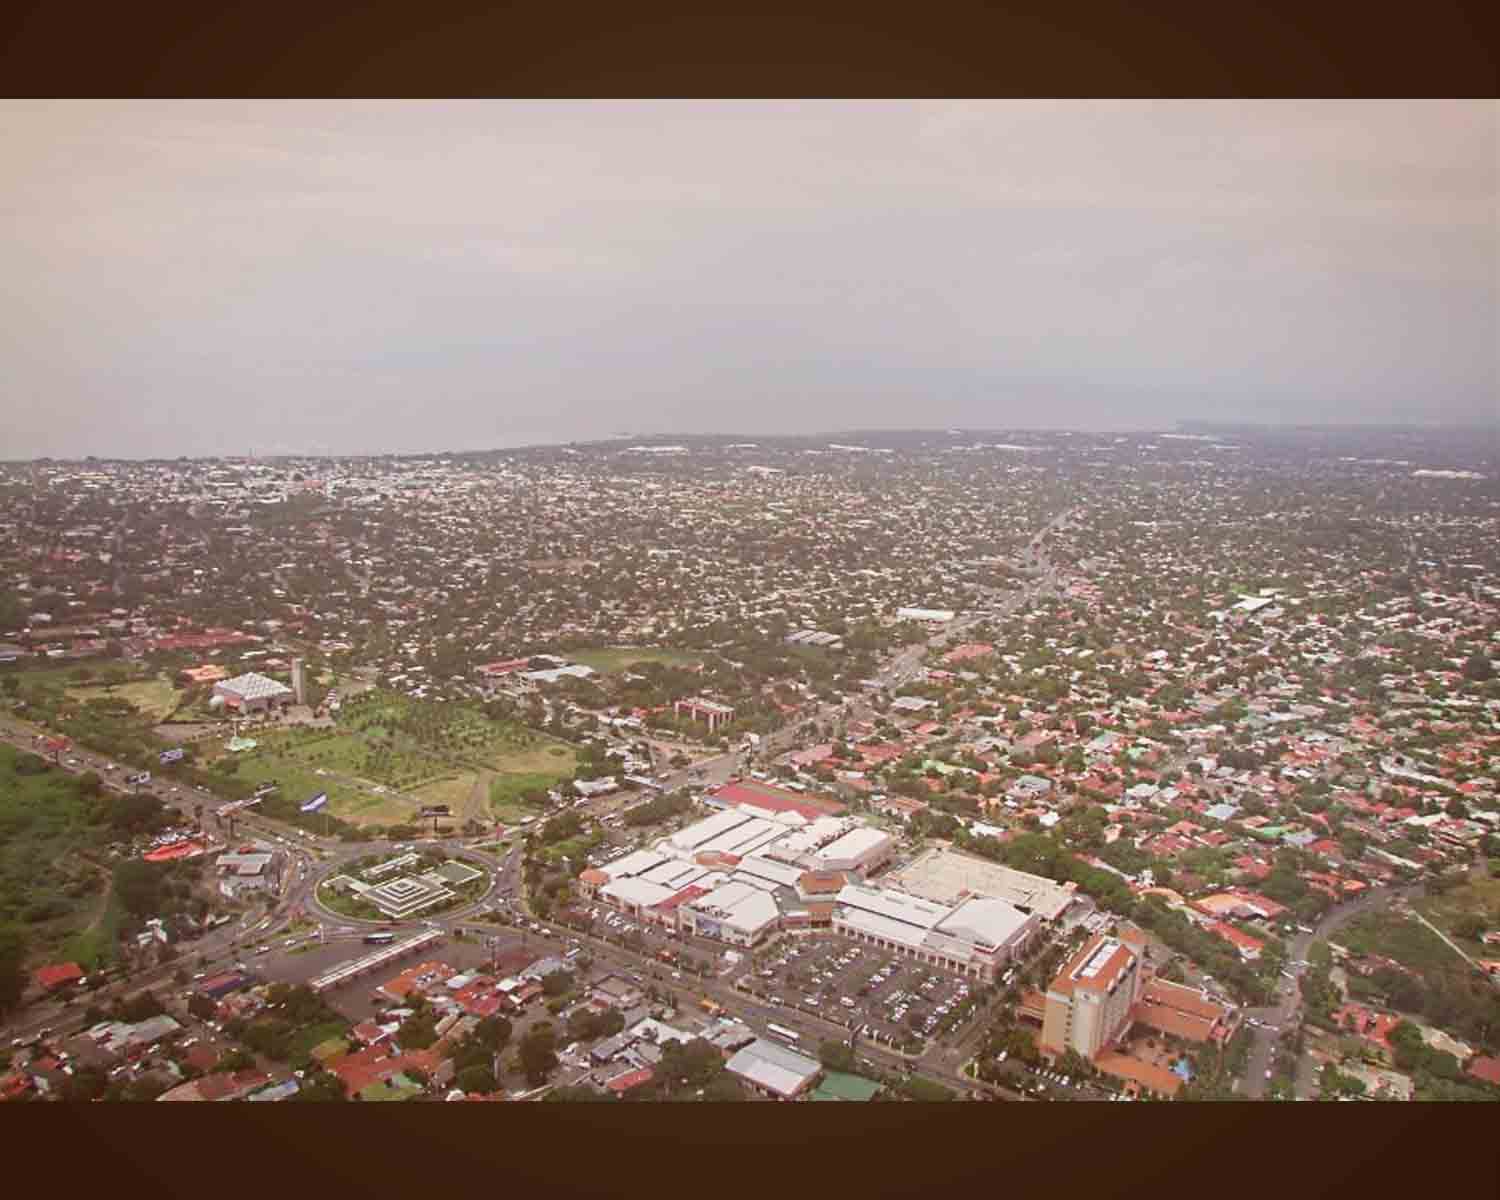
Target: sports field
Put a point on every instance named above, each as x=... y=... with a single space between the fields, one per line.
x=609 y=660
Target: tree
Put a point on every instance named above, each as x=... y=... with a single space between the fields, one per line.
x=538 y=1053
x=1470 y=926
x=478 y=1079
x=320 y=1085
x=1478 y=668
x=13 y=946
x=203 y=1007
x=576 y=1094
x=235 y=1059
x=85 y=1084
x=836 y=1056
x=493 y=1033
x=418 y=1031
x=141 y=1008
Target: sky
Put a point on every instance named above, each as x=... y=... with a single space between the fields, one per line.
x=226 y=278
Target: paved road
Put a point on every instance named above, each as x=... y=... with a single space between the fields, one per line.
x=184 y=797
x=1286 y=1010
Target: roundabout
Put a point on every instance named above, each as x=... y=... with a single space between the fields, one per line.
x=390 y=887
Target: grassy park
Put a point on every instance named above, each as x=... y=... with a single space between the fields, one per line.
x=610 y=660
x=388 y=755
x=1465 y=912
x=154 y=698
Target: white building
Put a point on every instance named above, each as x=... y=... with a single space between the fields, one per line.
x=252 y=692
x=975 y=938
x=737 y=912
x=939 y=616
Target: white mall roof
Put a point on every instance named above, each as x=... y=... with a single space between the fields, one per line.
x=853 y=845
x=702 y=832
x=637 y=891
x=765 y=868
x=894 y=906
x=636 y=862
x=985 y=922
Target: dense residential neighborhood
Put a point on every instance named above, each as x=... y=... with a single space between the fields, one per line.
x=882 y=766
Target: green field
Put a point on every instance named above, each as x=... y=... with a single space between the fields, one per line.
x=1471 y=900
x=609 y=660
x=297 y=780
x=507 y=788
x=420 y=753
x=434 y=753
x=154 y=698
x=457 y=793
x=1408 y=942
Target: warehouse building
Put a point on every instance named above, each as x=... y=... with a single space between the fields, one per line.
x=773 y=1070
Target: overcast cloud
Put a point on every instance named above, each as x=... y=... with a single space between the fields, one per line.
x=219 y=278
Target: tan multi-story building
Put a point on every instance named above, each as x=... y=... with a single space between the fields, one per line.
x=712 y=712
x=1091 y=1003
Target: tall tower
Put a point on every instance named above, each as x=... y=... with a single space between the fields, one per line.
x=299 y=682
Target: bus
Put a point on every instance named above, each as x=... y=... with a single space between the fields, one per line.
x=783 y=1034
x=379 y=939
x=711 y=1008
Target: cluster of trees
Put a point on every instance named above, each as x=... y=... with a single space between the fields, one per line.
x=1210 y=952
x=290 y=1011
x=586 y=1025
x=52 y=828
x=536 y=1053
x=659 y=809
x=474 y=1055
x=691 y=1070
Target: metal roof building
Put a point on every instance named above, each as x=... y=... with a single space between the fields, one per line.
x=774 y=1069
x=252 y=691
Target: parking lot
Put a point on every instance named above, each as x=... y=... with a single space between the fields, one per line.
x=887 y=997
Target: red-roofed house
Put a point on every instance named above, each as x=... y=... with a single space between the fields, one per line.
x=58 y=975
x=1249 y=948
x=629 y=1081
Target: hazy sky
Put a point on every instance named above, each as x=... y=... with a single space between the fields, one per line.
x=216 y=278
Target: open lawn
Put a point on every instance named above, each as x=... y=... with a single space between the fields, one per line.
x=298 y=782
x=48 y=888
x=1408 y=942
x=457 y=793
x=155 y=698
x=1447 y=912
x=56 y=674
x=533 y=768
x=608 y=660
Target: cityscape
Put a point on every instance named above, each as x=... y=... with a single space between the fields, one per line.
x=565 y=601
x=934 y=765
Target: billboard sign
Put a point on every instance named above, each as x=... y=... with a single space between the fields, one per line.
x=138 y=780
x=316 y=802
x=171 y=756
x=435 y=810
